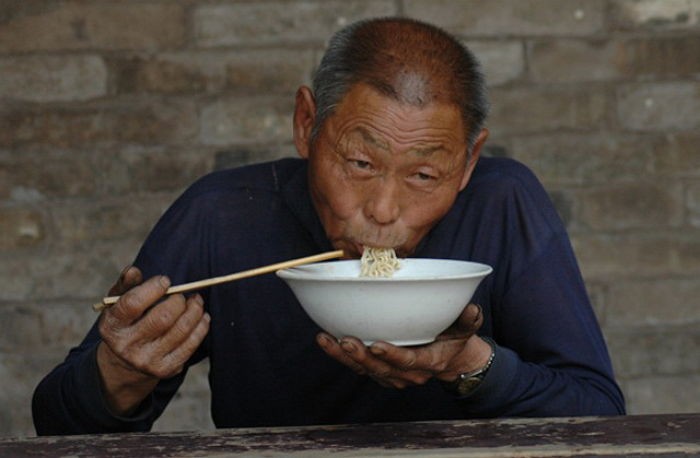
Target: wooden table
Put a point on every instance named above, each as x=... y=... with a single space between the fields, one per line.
x=639 y=436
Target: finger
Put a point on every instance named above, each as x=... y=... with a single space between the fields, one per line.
x=129 y=277
x=133 y=303
x=469 y=322
x=332 y=347
x=415 y=365
x=174 y=361
x=160 y=319
x=183 y=326
x=360 y=354
x=471 y=318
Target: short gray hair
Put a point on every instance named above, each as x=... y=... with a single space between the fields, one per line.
x=377 y=51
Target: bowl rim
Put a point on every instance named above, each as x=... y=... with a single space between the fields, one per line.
x=300 y=273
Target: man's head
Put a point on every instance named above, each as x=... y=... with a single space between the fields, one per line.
x=392 y=132
x=406 y=60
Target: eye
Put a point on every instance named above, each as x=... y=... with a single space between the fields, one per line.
x=360 y=164
x=421 y=176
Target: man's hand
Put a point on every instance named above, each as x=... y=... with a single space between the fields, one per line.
x=145 y=338
x=455 y=351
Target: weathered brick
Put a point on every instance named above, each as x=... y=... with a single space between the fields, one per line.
x=105 y=219
x=80 y=270
x=585 y=159
x=141 y=122
x=498 y=18
x=676 y=154
x=653 y=351
x=547 y=109
x=671 y=394
x=20 y=373
x=162 y=74
x=655 y=302
x=654 y=14
x=280 y=22
x=559 y=60
x=657 y=254
x=155 y=169
x=661 y=56
x=63 y=324
x=20 y=227
x=501 y=61
x=19 y=328
x=692 y=198
x=38 y=175
x=75 y=25
x=52 y=78
x=637 y=204
x=242 y=120
x=671 y=106
x=50 y=325
x=263 y=71
x=274 y=71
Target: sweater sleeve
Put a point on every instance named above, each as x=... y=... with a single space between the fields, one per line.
x=551 y=357
x=69 y=400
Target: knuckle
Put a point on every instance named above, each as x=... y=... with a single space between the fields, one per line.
x=130 y=301
x=410 y=361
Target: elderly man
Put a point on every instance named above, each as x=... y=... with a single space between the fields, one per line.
x=389 y=140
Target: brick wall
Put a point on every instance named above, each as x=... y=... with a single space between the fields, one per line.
x=108 y=108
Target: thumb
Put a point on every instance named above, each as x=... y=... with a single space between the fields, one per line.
x=468 y=323
x=131 y=276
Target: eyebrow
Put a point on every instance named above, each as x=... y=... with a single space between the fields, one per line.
x=368 y=137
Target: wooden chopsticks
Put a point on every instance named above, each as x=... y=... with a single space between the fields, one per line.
x=186 y=287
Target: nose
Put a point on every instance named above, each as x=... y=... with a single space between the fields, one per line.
x=383 y=203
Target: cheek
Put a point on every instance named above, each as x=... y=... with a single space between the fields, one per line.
x=338 y=200
x=422 y=213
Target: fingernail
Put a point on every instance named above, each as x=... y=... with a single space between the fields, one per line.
x=377 y=350
x=478 y=314
x=348 y=346
x=323 y=341
x=164 y=281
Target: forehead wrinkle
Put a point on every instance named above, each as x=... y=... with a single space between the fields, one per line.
x=369 y=138
x=426 y=151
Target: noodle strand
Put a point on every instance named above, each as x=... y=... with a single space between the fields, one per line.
x=378 y=262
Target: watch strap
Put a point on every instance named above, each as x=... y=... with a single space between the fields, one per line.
x=467 y=382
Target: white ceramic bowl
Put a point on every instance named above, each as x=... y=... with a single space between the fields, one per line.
x=422 y=299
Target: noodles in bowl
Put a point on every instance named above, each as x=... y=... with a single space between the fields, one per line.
x=412 y=307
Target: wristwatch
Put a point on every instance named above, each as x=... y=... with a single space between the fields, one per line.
x=466 y=383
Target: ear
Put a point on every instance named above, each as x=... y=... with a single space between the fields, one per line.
x=474 y=157
x=304 y=116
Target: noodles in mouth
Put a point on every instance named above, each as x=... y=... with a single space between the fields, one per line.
x=378 y=262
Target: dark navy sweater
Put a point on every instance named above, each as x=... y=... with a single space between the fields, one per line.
x=265 y=367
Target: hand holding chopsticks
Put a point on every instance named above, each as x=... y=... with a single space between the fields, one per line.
x=186 y=287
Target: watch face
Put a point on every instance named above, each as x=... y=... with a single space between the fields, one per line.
x=468 y=385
